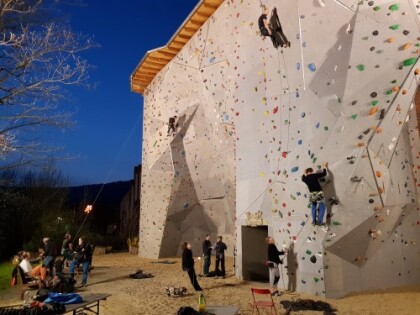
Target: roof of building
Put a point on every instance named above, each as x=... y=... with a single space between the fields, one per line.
x=154 y=60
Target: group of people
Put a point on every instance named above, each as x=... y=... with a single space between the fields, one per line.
x=50 y=266
x=188 y=260
x=317 y=201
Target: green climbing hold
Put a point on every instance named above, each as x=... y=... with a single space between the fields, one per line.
x=336 y=223
x=389 y=92
x=326 y=128
x=394 y=7
x=314 y=160
x=377 y=8
x=308 y=252
x=354 y=116
x=417 y=45
x=316 y=279
x=394 y=27
x=394 y=81
x=374 y=103
x=360 y=67
x=409 y=62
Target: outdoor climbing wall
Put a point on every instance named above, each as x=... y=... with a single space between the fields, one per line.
x=188 y=183
x=255 y=117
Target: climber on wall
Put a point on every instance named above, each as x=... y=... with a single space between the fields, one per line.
x=316 y=195
x=171 y=125
x=272 y=29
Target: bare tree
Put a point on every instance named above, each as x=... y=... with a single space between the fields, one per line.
x=39 y=60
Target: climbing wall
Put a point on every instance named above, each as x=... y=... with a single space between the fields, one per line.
x=255 y=117
x=188 y=183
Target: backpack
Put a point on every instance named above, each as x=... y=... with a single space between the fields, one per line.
x=187 y=310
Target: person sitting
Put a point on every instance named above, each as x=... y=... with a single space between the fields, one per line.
x=82 y=256
x=39 y=271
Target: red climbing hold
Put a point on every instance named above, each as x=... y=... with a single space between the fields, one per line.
x=284 y=154
x=275 y=110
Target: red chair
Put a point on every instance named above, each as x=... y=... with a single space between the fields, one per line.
x=263 y=303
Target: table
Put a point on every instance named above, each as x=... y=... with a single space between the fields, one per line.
x=222 y=309
x=90 y=303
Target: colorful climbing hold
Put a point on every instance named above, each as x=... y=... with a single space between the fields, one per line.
x=354 y=116
x=409 y=62
x=393 y=7
x=374 y=103
x=360 y=67
x=373 y=111
x=295 y=169
x=394 y=27
x=275 y=110
x=312 y=67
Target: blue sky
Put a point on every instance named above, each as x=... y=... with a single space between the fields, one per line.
x=108 y=132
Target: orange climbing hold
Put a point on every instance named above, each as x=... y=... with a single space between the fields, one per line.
x=417 y=71
x=395 y=89
x=378 y=174
x=390 y=40
x=406 y=46
x=373 y=111
x=361 y=144
x=379 y=130
x=404 y=91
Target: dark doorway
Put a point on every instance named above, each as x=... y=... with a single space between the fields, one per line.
x=254 y=253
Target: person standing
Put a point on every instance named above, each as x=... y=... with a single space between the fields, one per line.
x=273 y=264
x=316 y=195
x=220 y=248
x=66 y=248
x=49 y=255
x=188 y=265
x=82 y=256
x=207 y=255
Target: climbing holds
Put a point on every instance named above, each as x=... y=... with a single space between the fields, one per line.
x=395 y=89
x=390 y=40
x=312 y=67
x=409 y=62
x=373 y=111
x=393 y=7
x=378 y=174
x=417 y=71
x=295 y=169
x=360 y=67
x=394 y=27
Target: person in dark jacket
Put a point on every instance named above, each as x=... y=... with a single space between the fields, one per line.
x=207 y=255
x=81 y=256
x=49 y=255
x=188 y=265
x=316 y=195
x=273 y=264
x=67 y=248
x=220 y=248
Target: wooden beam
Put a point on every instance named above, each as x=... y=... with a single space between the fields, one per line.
x=150 y=61
x=146 y=66
x=158 y=60
x=203 y=15
x=210 y=6
x=185 y=37
x=190 y=29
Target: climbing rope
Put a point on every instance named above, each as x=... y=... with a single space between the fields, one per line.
x=109 y=172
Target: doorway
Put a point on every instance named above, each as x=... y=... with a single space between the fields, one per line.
x=254 y=253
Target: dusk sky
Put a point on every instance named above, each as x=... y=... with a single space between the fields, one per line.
x=108 y=132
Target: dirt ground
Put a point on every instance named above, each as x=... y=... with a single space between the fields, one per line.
x=147 y=296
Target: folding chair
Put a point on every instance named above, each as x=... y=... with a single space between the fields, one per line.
x=262 y=303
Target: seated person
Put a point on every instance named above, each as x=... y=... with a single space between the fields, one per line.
x=38 y=272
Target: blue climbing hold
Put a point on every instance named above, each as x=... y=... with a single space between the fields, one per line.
x=295 y=169
x=212 y=59
x=298 y=66
x=312 y=67
x=317 y=125
x=302 y=115
x=300 y=142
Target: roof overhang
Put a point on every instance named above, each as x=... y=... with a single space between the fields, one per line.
x=154 y=60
